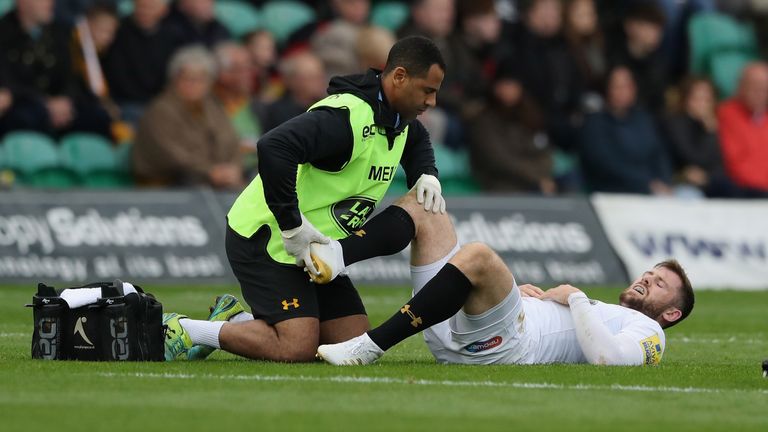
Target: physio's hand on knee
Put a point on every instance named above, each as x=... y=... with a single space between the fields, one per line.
x=297 y=240
x=429 y=193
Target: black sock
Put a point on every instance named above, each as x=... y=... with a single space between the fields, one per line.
x=387 y=233
x=440 y=299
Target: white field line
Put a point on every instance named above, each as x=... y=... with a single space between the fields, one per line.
x=13 y=335
x=423 y=382
x=731 y=339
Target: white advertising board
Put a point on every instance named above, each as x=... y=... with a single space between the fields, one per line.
x=722 y=244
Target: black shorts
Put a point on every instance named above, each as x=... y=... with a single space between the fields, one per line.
x=277 y=292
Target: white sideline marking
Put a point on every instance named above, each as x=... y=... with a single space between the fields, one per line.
x=10 y=335
x=731 y=339
x=448 y=383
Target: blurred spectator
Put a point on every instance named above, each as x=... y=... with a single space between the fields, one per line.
x=744 y=131
x=305 y=84
x=692 y=134
x=509 y=150
x=549 y=74
x=674 y=43
x=94 y=34
x=620 y=148
x=37 y=70
x=480 y=35
x=372 y=49
x=335 y=41
x=185 y=137
x=135 y=65
x=435 y=20
x=587 y=47
x=638 y=48
x=339 y=17
x=335 y=47
x=263 y=54
x=754 y=12
x=233 y=89
x=68 y=11
x=194 y=22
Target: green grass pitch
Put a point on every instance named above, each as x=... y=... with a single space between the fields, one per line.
x=709 y=380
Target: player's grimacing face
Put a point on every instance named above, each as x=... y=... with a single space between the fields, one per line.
x=420 y=93
x=653 y=292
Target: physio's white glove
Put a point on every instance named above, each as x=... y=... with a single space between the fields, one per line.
x=297 y=240
x=429 y=193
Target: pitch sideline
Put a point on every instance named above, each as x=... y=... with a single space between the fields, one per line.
x=448 y=383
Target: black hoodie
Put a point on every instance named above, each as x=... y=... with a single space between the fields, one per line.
x=323 y=137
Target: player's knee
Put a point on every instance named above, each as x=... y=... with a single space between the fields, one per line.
x=300 y=353
x=475 y=258
x=294 y=349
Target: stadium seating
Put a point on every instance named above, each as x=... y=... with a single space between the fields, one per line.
x=725 y=70
x=389 y=14
x=34 y=159
x=238 y=17
x=124 y=7
x=94 y=160
x=455 y=175
x=5 y=6
x=711 y=34
x=283 y=17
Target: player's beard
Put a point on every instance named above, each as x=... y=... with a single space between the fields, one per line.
x=641 y=304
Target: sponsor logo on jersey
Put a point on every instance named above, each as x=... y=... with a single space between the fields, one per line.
x=372 y=130
x=382 y=173
x=484 y=345
x=351 y=213
x=652 y=349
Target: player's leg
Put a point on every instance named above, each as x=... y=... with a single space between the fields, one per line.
x=475 y=278
x=286 y=324
x=434 y=236
x=292 y=340
x=431 y=236
x=342 y=314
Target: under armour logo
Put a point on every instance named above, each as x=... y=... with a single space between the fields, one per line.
x=110 y=301
x=415 y=321
x=46 y=301
x=359 y=233
x=79 y=329
x=294 y=303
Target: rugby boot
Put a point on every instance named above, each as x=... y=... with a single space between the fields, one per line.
x=223 y=309
x=177 y=341
x=356 y=351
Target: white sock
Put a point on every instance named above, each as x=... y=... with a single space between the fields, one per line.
x=242 y=316
x=203 y=332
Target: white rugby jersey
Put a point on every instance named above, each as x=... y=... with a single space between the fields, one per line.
x=625 y=337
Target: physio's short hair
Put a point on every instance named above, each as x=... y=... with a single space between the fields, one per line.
x=685 y=297
x=193 y=55
x=416 y=54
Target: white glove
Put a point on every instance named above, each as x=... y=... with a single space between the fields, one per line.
x=297 y=240
x=429 y=193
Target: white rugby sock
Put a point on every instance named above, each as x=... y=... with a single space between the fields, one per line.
x=242 y=316
x=203 y=332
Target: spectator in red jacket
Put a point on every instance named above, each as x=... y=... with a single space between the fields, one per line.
x=744 y=131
